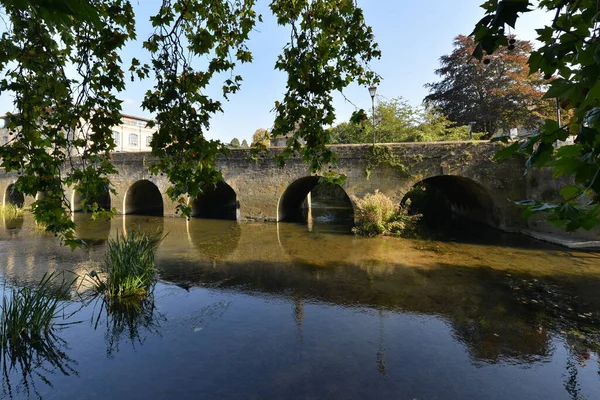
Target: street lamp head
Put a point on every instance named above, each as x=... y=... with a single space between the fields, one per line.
x=373 y=91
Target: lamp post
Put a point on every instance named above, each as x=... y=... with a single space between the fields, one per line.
x=373 y=92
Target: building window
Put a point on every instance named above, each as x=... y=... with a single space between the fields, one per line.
x=133 y=139
x=148 y=140
x=117 y=138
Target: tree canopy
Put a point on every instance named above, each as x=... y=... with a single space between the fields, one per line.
x=397 y=121
x=261 y=138
x=194 y=43
x=497 y=94
x=235 y=142
x=569 y=51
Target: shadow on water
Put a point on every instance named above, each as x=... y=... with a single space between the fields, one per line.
x=496 y=315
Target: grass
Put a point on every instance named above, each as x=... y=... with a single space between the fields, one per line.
x=130 y=267
x=28 y=314
x=28 y=333
x=11 y=211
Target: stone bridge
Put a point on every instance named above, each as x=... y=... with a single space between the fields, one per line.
x=258 y=189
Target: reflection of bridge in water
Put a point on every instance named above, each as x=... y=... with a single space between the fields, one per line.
x=288 y=262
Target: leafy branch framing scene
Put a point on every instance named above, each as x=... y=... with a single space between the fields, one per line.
x=64 y=68
x=251 y=210
x=568 y=59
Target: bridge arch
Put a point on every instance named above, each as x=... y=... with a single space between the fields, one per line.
x=218 y=201
x=143 y=198
x=13 y=197
x=103 y=200
x=295 y=199
x=462 y=196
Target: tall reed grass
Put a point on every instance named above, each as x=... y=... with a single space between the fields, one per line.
x=130 y=267
x=28 y=334
x=28 y=314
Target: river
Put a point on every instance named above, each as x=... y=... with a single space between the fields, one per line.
x=297 y=311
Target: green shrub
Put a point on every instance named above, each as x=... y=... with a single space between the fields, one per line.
x=130 y=267
x=376 y=214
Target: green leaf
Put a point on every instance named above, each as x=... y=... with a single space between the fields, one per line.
x=570 y=192
x=507 y=152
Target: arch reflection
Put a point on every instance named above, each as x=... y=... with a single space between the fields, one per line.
x=93 y=232
x=214 y=239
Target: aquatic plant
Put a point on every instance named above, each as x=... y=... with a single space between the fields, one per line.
x=376 y=214
x=11 y=211
x=29 y=343
x=130 y=267
x=28 y=313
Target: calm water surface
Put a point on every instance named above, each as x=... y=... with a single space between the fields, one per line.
x=290 y=311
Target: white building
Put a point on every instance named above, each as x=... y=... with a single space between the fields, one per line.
x=130 y=136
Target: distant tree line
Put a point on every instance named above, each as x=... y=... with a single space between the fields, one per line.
x=473 y=99
x=397 y=121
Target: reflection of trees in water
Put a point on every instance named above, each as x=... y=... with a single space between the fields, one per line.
x=129 y=320
x=478 y=304
x=35 y=361
x=501 y=337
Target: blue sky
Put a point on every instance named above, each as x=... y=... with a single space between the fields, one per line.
x=412 y=36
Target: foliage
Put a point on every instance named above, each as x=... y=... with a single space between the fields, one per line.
x=497 y=94
x=130 y=268
x=56 y=112
x=384 y=155
x=261 y=138
x=235 y=142
x=62 y=117
x=11 y=211
x=570 y=53
x=376 y=214
x=63 y=12
x=398 y=121
x=244 y=144
x=330 y=47
x=437 y=127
